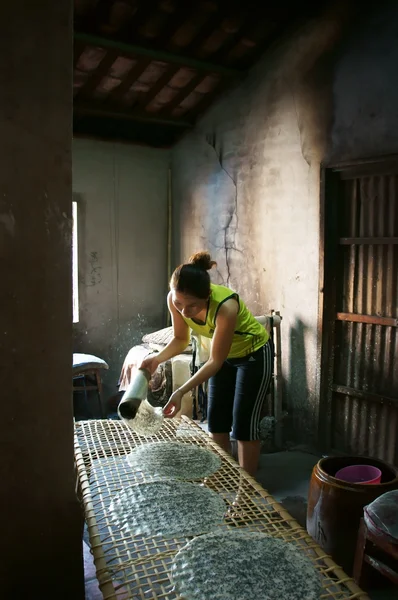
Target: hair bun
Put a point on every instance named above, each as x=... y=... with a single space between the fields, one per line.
x=202 y=260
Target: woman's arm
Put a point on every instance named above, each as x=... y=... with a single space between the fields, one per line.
x=177 y=345
x=220 y=347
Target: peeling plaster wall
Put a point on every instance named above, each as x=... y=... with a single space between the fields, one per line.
x=121 y=192
x=246 y=182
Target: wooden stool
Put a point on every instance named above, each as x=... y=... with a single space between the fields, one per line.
x=86 y=366
x=379 y=527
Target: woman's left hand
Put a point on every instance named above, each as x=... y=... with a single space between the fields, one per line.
x=174 y=405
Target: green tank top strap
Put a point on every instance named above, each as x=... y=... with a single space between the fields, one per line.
x=249 y=334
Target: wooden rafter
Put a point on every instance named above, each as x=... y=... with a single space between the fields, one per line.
x=129 y=79
x=168 y=57
x=183 y=93
x=100 y=72
x=78 y=48
x=213 y=22
x=144 y=11
x=160 y=84
x=208 y=99
x=89 y=109
x=147 y=33
x=249 y=23
x=185 y=10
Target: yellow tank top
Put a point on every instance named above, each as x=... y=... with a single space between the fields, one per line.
x=249 y=335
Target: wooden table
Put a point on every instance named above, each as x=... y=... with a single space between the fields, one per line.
x=134 y=567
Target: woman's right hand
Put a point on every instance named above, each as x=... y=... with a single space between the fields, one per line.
x=150 y=363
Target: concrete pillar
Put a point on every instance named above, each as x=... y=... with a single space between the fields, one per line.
x=40 y=527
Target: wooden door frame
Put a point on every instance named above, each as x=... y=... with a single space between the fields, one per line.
x=330 y=177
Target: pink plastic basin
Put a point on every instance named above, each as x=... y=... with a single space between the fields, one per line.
x=364 y=474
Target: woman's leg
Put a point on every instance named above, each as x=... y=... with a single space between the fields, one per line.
x=222 y=439
x=252 y=383
x=221 y=392
x=248 y=455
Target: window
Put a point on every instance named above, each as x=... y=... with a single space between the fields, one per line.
x=75 y=265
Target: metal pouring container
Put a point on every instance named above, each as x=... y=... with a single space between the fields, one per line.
x=134 y=395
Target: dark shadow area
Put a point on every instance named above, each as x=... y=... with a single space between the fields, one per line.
x=297 y=392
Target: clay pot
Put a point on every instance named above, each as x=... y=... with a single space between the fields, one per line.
x=335 y=507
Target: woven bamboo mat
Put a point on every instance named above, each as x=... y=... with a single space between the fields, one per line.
x=134 y=567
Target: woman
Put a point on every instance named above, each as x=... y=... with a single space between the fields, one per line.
x=239 y=368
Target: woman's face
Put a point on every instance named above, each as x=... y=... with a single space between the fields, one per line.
x=188 y=306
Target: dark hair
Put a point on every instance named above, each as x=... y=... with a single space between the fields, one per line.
x=192 y=277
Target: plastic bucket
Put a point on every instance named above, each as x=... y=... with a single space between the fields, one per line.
x=364 y=474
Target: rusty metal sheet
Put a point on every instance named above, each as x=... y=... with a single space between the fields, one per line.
x=365 y=379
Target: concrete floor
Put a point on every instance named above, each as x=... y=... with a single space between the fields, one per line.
x=286 y=476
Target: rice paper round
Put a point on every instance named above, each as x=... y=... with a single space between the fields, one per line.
x=167 y=509
x=239 y=565
x=174 y=460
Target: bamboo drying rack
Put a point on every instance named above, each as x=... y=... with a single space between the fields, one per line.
x=135 y=567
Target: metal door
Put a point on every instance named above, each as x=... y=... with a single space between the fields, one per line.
x=359 y=378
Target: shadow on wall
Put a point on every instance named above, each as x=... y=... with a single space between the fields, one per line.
x=297 y=385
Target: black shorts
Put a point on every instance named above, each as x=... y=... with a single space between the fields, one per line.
x=236 y=394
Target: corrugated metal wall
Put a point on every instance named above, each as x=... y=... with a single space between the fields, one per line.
x=364 y=377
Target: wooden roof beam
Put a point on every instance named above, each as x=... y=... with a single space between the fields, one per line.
x=183 y=93
x=129 y=79
x=160 y=84
x=212 y=23
x=176 y=20
x=78 y=48
x=167 y=57
x=98 y=75
x=81 y=108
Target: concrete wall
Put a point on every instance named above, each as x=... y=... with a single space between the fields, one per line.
x=41 y=528
x=365 y=91
x=246 y=182
x=122 y=222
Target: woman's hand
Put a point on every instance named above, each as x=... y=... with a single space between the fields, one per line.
x=150 y=363
x=173 y=405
